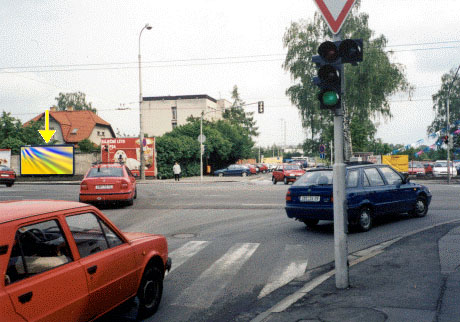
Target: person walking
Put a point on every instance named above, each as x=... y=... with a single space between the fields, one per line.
x=177 y=171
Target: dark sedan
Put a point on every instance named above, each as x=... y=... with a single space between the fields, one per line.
x=233 y=170
x=372 y=190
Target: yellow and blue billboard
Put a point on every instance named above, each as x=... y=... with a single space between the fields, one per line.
x=47 y=160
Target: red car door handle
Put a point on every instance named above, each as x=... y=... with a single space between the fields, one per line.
x=24 y=298
x=92 y=269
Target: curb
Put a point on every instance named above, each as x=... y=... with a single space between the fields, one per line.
x=353 y=258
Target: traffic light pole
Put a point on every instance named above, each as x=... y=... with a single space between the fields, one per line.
x=340 y=209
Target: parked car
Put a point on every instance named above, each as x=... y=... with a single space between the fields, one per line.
x=440 y=169
x=428 y=168
x=262 y=167
x=252 y=168
x=233 y=170
x=7 y=176
x=66 y=261
x=108 y=182
x=287 y=173
x=371 y=191
x=416 y=168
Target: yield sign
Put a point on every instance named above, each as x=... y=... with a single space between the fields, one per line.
x=335 y=12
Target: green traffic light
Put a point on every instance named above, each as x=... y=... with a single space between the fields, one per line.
x=330 y=98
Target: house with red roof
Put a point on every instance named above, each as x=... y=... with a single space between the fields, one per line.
x=73 y=126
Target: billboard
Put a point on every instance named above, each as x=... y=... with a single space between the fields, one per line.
x=5 y=157
x=398 y=162
x=44 y=160
x=127 y=151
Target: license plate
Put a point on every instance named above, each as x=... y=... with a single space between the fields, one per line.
x=309 y=198
x=105 y=186
x=5 y=175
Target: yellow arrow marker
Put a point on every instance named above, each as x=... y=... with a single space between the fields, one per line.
x=47 y=133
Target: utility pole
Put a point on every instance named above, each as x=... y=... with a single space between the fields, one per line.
x=448 y=126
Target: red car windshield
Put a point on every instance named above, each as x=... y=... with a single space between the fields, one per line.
x=105 y=172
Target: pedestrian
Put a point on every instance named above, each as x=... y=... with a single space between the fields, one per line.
x=177 y=171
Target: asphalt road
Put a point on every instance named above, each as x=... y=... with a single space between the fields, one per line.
x=231 y=242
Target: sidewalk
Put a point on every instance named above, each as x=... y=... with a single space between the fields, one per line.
x=416 y=279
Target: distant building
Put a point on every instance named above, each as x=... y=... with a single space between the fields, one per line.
x=161 y=114
x=73 y=126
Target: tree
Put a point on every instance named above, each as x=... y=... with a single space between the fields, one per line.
x=76 y=100
x=368 y=85
x=13 y=135
x=237 y=115
x=439 y=124
x=86 y=146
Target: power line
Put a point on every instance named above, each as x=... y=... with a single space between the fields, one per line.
x=206 y=61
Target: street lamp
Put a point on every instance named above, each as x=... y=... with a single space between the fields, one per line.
x=141 y=131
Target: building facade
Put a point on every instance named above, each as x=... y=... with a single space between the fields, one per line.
x=161 y=114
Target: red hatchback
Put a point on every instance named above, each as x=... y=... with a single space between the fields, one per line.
x=287 y=173
x=7 y=176
x=108 y=182
x=66 y=261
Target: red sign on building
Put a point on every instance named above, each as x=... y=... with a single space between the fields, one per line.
x=127 y=150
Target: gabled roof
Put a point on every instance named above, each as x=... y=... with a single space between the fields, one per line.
x=83 y=121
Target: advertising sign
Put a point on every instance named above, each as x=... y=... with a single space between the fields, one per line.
x=5 y=157
x=127 y=150
x=44 y=160
x=398 y=162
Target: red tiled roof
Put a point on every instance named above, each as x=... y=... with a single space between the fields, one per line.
x=84 y=121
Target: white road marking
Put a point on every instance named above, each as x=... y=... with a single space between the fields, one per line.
x=291 y=265
x=184 y=253
x=202 y=293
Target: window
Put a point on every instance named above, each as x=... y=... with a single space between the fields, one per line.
x=352 y=179
x=74 y=131
x=174 y=124
x=105 y=172
x=374 y=177
x=37 y=248
x=91 y=234
x=174 y=112
x=391 y=176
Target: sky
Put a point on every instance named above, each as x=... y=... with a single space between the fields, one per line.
x=205 y=47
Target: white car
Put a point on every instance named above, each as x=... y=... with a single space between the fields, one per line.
x=440 y=169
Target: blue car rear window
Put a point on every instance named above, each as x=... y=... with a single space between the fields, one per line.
x=315 y=178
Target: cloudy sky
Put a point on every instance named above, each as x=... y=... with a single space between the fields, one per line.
x=204 y=47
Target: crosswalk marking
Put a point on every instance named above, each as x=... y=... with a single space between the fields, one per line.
x=203 y=292
x=292 y=264
x=184 y=253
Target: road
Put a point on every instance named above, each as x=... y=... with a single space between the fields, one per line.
x=231 y=242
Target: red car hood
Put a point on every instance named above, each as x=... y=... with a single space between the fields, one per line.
x=293 y=172
x=133 y=236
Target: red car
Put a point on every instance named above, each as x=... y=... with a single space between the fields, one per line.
x=108 y=182
x=7 y=176
x=287 y=173
x=416 y=168
x=428 y=168
x=66 y=261
x=262 y=167
x=252 y=168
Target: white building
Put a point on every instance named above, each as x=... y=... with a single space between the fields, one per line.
x=161 y=114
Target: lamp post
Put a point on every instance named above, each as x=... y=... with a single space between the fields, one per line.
x=141 y=130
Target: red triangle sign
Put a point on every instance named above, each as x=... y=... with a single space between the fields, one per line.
x=335 y=12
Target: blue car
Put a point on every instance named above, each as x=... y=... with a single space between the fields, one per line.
x=371 y=190
x=233 y=170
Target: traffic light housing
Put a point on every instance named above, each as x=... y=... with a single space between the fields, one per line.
x=331 y=56
x=446 y=139
x=260 y=107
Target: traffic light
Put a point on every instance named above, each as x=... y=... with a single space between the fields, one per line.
x=331 y=56
x=446 y=139
x=260 y=106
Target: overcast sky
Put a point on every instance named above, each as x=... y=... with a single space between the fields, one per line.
x=205 y=47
